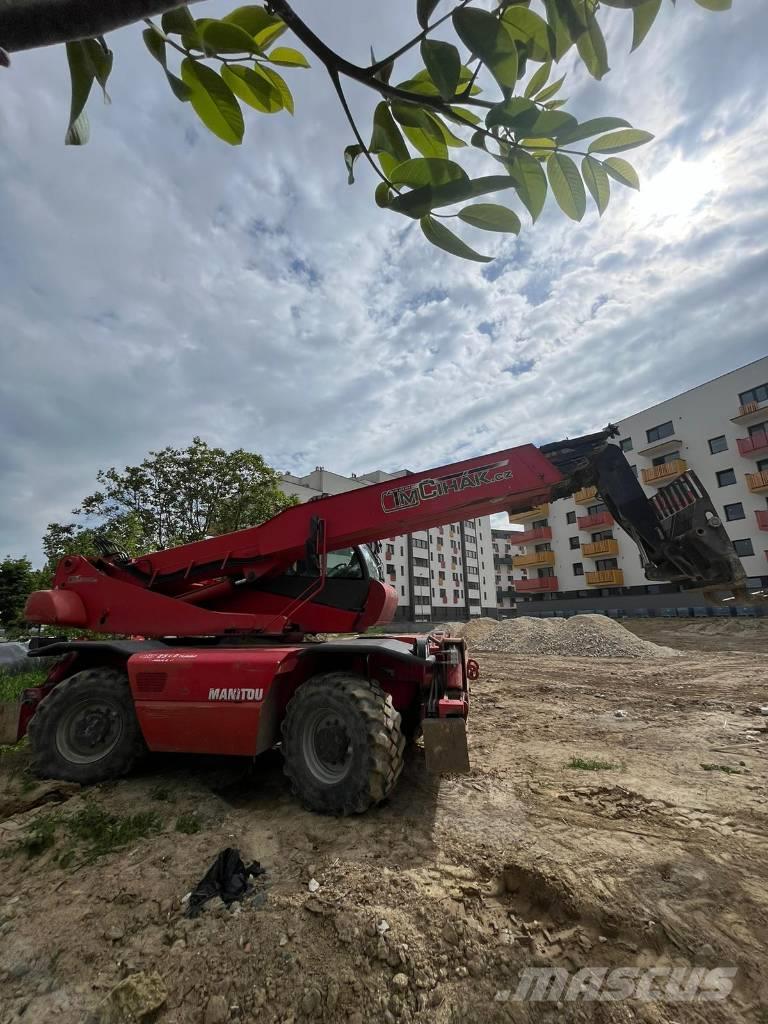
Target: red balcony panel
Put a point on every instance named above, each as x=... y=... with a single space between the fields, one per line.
x=757 y=442
x=598 y=519
x=537 y=585
x=529 y=536
x=762 y=518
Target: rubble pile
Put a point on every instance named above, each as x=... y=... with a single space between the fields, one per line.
x=582 y=636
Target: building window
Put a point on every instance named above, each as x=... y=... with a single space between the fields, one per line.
x=578 y=569
x=660 y=432
x=594 y=510
x=718 y=444
x=626 y=444
x=571 y=517
x=662 y=460
x=744 y=547
x=735 y=511
x=759 y=394
x=573 y=542
x=390 y=570
x=726 y=477
x=603 y=535
x=402 y=571
x=539 y=524
x=762 y=465
x=402 y=591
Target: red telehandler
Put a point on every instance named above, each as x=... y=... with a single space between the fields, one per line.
x=222 y=665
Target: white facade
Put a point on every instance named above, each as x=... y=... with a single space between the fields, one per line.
x=719 y=430
x=443 y=573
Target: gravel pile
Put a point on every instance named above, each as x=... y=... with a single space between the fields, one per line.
x=582 y=636
x=477 y=631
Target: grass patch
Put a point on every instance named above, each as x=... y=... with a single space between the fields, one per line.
x=11 y=686
x=722 y=768
x=162 y=794
x=590 y=764
x=189 y=824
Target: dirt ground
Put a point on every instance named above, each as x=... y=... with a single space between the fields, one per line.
x=429 y=907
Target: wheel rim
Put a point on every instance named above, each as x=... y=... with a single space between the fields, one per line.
x=89 y=730
x=326 y=747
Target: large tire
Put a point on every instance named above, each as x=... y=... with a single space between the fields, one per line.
x=85 y=730
x=342 y=744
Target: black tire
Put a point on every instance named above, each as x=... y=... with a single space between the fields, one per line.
x=85 y=730
x=342 y=744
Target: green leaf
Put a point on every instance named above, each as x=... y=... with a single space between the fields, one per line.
x=592 y=127
x=592 y=49
x=621 y=171
x=617 y=142
x=427 y=171
x=559 y=35
x=179 y=90
x=81 y=75
x=516 y=113
x=386 y=137
x=100 y=59
x=280 y=84
x=715 y=5
x=491 y=217
x=555 y=104
x=421 y=200
x=488 y=39
x=553 y=123
x=531 y=30
x=567 y=186
x=225 y=37
x=288 y=57
x=596 y=180
x=213 y=101
x=351 y=153
x=530 y=182
x=252 y=86
x=551 y=90
x=443 y=63
x=643 y=17
x=381 y=195
x=462 y=115
x=451 y=140
x=429 y=143
x=178 y=21
x=253 y=19
x=439 y=235
x=155 y=43
x=538 y=80
x=424 y=10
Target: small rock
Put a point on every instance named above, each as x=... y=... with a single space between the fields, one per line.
x=332 y=995
x=311 y=1002
x=345 y=925
x=236 y=908
x=602 y=938
x=115 y=933
x=502 y=996
x=449 y=933
x=476 y=968
x=461 y=971
x=216 y=1010
x=132 y=999
x=619 y=714
x=382 y=926
x=314 y=885
x=283 y=940
x=400 y=981
x=435 y=997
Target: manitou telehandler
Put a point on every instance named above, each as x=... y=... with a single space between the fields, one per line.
x=217 y=660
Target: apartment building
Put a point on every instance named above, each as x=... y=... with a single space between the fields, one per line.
x=440 y=574
x=505 y=548
x=572 y=553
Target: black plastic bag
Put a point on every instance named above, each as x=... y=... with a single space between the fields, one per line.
x=227 y=877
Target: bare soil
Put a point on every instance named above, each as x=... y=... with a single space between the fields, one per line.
x=429 y=906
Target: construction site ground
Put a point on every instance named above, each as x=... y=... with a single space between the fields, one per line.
x=428 y=907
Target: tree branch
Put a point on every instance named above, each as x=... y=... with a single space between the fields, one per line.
x=416 y=39
x=27 y=24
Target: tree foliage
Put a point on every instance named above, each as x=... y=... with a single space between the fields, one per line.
x=17 y=580
x=486 y=86
x=174 y=496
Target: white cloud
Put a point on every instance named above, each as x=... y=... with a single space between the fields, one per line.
x=159 y=284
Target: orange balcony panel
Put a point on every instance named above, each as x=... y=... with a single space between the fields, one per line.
x=758 y=482
x=749 y=408
x=755 y=444
x=537 y=512
x=762 y=519
x=665 y=472
x=585 y=495
x=529 y=536
x=605 y=578
x=598 y=519
x=536 y=558
x=536 y=586
x=600 y=548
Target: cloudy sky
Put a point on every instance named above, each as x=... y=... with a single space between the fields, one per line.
x=159 y=284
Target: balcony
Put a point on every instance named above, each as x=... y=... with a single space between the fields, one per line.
x=595 y=520
x=529 y=536
x=539 y=585
x=605 y=578
x=758 y=482
x=755 y=444
x=762 y=519
x=537 y=512
x=536 y=558
x=585 y=495
x=658 y=475
x=600 y=548
x=752 y=412
x=665 y=444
